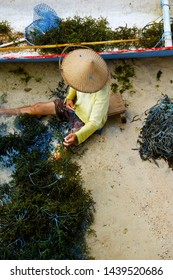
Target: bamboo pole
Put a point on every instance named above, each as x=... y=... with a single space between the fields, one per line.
x=67 y=44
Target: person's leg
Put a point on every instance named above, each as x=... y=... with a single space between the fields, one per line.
x=41 y=108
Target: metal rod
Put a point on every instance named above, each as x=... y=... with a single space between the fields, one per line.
x=167 y=25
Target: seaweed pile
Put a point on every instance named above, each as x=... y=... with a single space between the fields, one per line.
x=45 y=212
x=156 y=136
x=87 y=29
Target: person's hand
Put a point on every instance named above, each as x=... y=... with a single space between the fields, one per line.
x=70 y=139
x=70 y=105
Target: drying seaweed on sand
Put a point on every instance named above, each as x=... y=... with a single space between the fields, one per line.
x=45 y=212
x=156 y=136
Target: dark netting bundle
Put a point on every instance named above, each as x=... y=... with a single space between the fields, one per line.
x=156 y=136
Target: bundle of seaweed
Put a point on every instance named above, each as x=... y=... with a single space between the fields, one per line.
x=76 y=30
x=7 y=34
x=87 y=29
x=45 y=212
x=156 y=136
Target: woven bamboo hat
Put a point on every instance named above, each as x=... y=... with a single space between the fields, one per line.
x=84 y=70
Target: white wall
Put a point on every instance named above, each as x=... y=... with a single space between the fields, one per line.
x=118 y=12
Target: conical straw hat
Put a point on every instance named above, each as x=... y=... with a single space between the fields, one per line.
x=84 y=70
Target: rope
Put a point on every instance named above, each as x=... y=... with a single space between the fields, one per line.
x=156 y=136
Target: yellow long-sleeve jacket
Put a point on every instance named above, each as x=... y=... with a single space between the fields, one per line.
x=92 y=109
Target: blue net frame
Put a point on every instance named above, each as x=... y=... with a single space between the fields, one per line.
x=44 y=19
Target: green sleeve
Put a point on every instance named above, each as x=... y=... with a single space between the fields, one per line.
x=72 y=93
x=87 y=130
x=97 y=118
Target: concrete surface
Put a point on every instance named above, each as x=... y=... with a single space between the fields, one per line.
x=118 y=13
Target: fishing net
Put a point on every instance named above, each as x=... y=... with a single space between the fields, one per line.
x=44 y=19
x=156 y=136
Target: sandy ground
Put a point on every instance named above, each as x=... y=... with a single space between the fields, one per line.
x=133 y=218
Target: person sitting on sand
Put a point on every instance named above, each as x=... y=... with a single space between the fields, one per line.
x=86 y=105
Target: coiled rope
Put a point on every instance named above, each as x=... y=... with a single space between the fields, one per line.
x=156 y=136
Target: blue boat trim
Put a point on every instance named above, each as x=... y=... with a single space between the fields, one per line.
x=121 y=54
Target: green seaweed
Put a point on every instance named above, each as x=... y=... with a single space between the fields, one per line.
x=45 y=211
x=122 y=75
x=3 y=98
x=60 y=91
x=19 y=71
x=87 y=29
x=6 y=32
x=76 y=30
x=159 y=73
x=151 y=35
x=5 y=27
